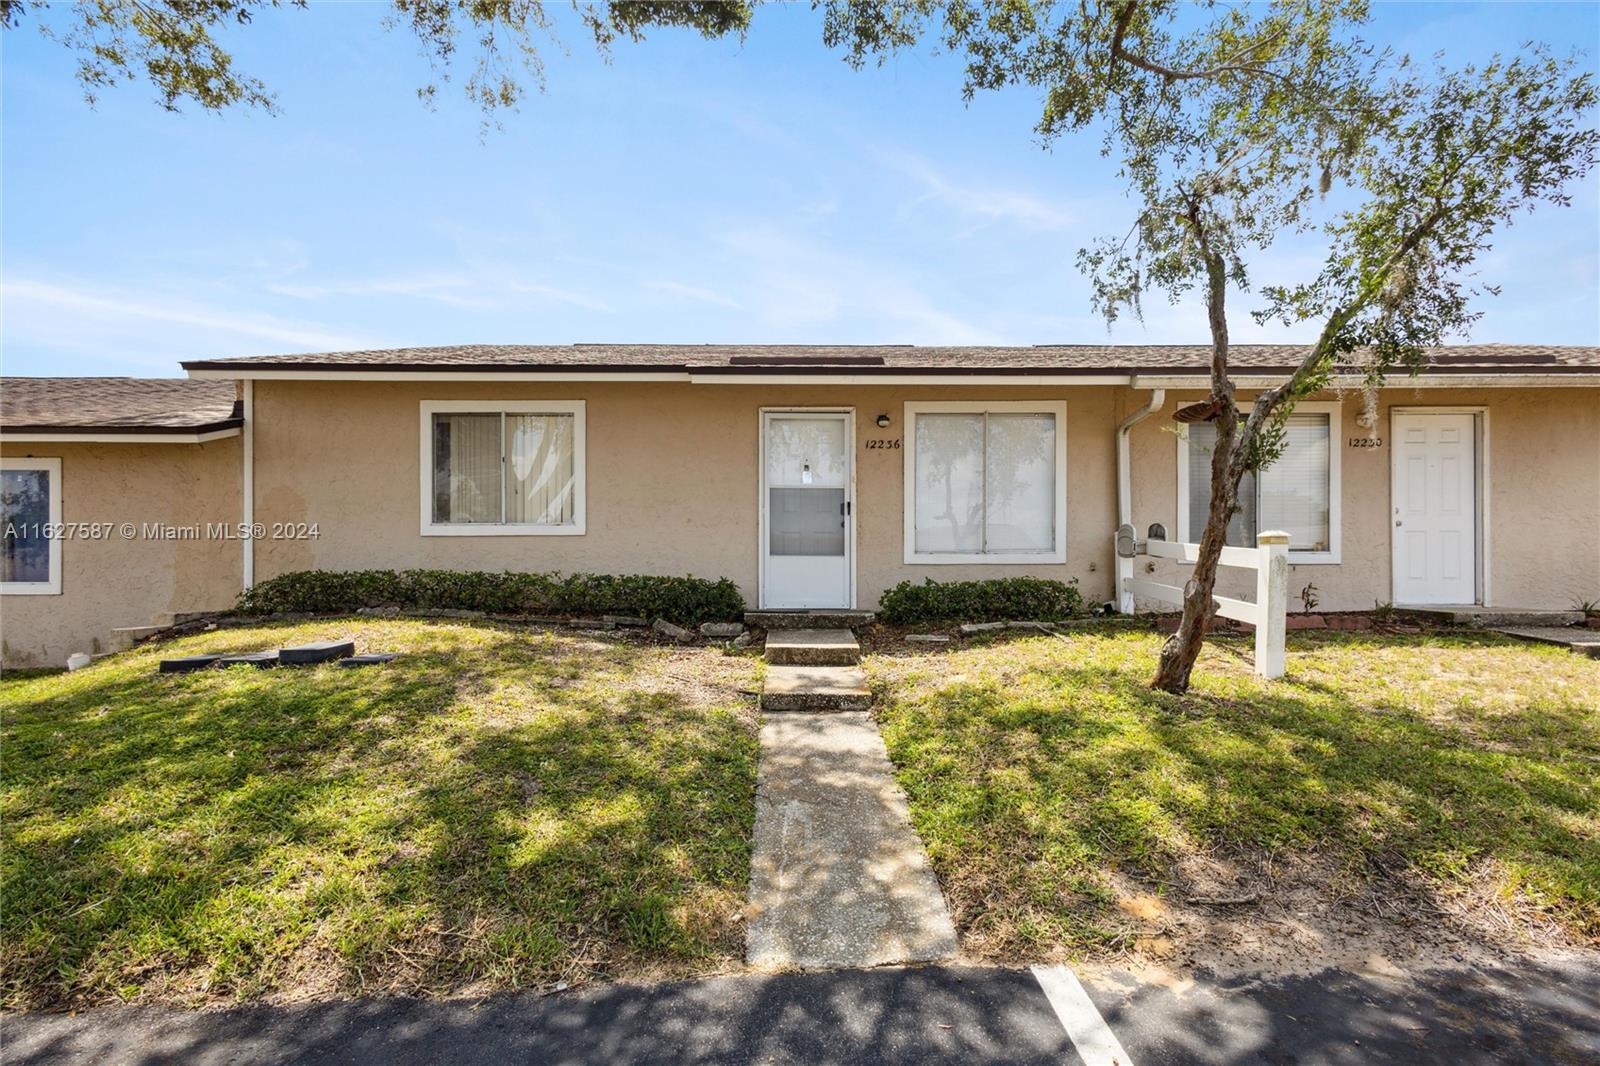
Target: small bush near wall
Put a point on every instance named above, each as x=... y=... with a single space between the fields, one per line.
x=1006 y=599
x=686 y=600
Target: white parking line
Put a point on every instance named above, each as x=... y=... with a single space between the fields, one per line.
x=1097 y=1045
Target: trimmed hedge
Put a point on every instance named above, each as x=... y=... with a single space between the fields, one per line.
x=686 y=600
x=1006 y=599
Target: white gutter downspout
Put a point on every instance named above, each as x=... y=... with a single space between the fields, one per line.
x=249 y=483
x=1124 y=567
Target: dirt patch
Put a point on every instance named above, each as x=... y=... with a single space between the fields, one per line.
x=1299 y=914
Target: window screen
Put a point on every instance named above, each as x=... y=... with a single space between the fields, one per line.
x=24 y=520
x=1292 y=494
x=985 y=483
x=516 y=469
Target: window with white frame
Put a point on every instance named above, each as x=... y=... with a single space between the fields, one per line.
x=507 y=467
x=985 y=482
x=30 y=517
x=1298 y=493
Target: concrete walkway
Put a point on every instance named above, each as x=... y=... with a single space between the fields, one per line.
x=838 y=877
x=1581 y=641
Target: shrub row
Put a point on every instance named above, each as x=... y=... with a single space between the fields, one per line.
x=686 y=600
x=1006 y=599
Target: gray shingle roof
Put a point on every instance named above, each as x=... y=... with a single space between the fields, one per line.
x=116 y=405
x=1064 y=359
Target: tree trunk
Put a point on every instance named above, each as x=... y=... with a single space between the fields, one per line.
x=1183 y=647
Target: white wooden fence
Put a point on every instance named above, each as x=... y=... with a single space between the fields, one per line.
x=1270 y=561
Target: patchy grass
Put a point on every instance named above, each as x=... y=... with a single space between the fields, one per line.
x=503 y=808
x=1058 y=795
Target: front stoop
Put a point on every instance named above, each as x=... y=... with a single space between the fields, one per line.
x=815 y=688
x=1580 y=641
x=812 y=647
x=1497 y=617
x=837 y=876
x=821 y=619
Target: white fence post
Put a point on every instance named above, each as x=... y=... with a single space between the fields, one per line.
x=1272 y=601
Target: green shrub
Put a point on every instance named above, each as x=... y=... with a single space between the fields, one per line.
x=686 y=600
x=1006 y=599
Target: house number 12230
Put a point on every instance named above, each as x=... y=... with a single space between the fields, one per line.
x=1366 y=442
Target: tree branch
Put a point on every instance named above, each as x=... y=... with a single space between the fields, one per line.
x=1232 y=66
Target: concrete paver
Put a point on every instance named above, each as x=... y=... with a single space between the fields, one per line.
x=815 y=688
x=1582 y=641
x=838 y=876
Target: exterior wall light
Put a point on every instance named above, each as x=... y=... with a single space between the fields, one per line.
x=883 y=421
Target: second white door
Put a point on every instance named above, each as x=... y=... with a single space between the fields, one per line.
x=1435 y=508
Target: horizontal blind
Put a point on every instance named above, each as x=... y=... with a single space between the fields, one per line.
x=1294 y=489
x=1242 y=526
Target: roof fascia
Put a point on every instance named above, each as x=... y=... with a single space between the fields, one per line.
x=102 y=436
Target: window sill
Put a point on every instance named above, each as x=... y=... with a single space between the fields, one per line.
x=472 y=530
x=1013 y=559
x=30 y=588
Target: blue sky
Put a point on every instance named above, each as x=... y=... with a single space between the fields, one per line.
x=691 y=191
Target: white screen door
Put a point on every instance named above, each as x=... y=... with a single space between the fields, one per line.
x=806 y=505
x=1435 y=508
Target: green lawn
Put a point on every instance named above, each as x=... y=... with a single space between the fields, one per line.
x=505 y=808
x=1048 y=781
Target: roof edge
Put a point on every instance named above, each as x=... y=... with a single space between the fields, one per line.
x=124 y=429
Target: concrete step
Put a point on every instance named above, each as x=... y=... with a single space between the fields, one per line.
x=1581 y=641
x=812 y=647
x=1493 y=617
x=840 y=619
x=815 y=688
x=126 y=637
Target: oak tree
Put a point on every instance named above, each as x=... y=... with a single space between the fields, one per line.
x=180 y=46
x=1236 y=126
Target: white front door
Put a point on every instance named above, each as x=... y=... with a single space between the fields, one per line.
x=1435 y=508
x=807 y=500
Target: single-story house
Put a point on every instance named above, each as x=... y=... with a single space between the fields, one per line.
x=813 y=476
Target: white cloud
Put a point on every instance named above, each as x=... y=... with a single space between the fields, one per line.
x=471 y=292
x=73 y=317
x=987 y=202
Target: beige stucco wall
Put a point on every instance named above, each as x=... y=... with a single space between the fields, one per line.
x=127 y=582
x=672 y=480
x=672 y=489
x=1543 y=475
x=672 y=484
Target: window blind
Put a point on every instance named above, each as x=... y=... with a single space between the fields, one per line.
x=985 y=483
x=1292 y=494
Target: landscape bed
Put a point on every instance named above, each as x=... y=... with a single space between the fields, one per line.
x=1446 y=784
x=502 y=808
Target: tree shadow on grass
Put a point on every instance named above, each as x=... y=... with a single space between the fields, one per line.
x=231 y=832
x=1064 y=762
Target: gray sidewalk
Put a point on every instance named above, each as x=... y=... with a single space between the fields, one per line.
x=838 y=876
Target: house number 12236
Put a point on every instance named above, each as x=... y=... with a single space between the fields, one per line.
x=1366 y=442
x=882 y=442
